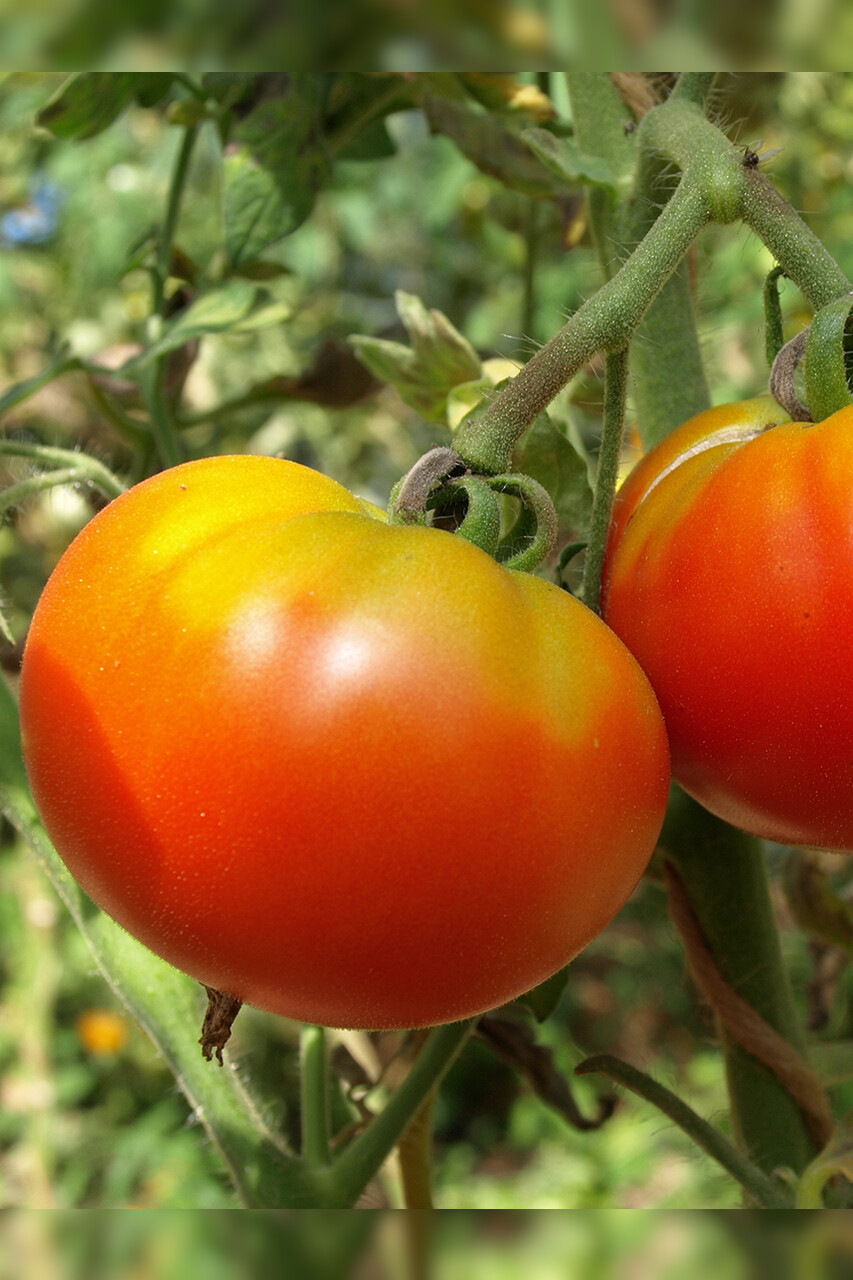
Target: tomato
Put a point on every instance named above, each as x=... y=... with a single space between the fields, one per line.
x=729 y=575
x=354 y=773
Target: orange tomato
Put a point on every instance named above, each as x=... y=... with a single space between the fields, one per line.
x=354 y=773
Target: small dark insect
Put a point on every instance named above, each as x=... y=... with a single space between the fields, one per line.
x=630 y=126
x=753 y=156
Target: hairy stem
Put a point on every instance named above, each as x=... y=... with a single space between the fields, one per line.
x=612 y=429
x=694 y=86
x=605 y=322
x=757 y=1185
x=794 y=245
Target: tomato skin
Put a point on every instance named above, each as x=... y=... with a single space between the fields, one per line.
x=355 y=774
x=729 y=575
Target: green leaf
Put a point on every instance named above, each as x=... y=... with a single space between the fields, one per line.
x=465 y=397
x=439 y=359
x=545 y=454
x=543 y=1000
x=563 y=157
x=357 y=106
x=276 y=163
x=495 y=147
x=239 y=306
x=168 y=1005
x=373 y=143
x=89 y=101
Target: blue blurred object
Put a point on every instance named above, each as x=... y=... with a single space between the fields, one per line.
x=36 y=221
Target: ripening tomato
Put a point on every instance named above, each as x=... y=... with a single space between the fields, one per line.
x=354 y=773
x=729 y=575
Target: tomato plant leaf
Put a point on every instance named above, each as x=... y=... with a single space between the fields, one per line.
x=543 y=999
x=564 y=158
x=372 y=143
x=89 y=101
x=358 y=103
x=239 y=306
x=438 y=360
x=495 y=147
x=276 y=163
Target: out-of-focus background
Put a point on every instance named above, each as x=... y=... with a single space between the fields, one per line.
x=89 y=1115
x=329 y=1245
x=420 y=35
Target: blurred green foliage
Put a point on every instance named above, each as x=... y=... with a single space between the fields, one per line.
x=426 y=34
x=90 y=1117
x=587 y=1245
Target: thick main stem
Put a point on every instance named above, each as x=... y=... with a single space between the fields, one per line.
x=613 y=425
x=724 y=874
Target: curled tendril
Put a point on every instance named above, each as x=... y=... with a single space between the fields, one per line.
x=782 y=377
x=441 y=483
x=410 y=498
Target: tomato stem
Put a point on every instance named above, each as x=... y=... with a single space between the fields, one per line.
x=605 y=322
x=314 y=1085
x=756 y=1183
x=612 y=430
x=724 y=876
x=694 y=86
x=793 y=244
x=163 y=265
x=164 y=430
x=773 y=326
x=352 y=1171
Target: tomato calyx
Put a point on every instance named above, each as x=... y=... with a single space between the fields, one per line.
x=441 y=490
x=218 y=1021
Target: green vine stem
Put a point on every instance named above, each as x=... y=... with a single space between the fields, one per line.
x=612 y=429
x=314 y=1088
x=794 y=245
x=603 y=127
x=724 y=876
x=774 y=336
x=618 y=221
x=825 y=359
x=415 y=1150
x=717 y=184
x=169 y=445
x=695 y=87
x=758 y=1186
x=361 y=1161
x=604 y=323
x=80 y=468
